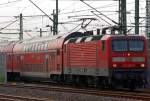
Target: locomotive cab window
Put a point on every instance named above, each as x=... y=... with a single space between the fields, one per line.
x=119 y=45
x=135 y=45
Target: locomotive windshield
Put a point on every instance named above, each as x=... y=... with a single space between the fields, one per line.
x=128 y=45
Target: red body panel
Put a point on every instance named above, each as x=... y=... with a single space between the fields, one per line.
x=87 y=55
x=98 y=54
x=103 y=55
x=129 y=64
x=81 y=55
x=56 y=56
x=40 y=59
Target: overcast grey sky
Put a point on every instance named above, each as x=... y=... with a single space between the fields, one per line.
x=69 y=11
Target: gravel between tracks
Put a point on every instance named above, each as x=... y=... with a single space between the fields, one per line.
x=57 y=96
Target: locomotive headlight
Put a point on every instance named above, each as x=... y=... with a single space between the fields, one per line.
x=118 y=59
x=138 y=59
x=114 y=65
x=142 y=65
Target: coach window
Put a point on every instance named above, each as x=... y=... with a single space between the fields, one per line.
x=38 y=47
x=46 y=45
x=28 y=48
x=23 y=48
x=103 y=46
x=43 y=48
x=33 y=47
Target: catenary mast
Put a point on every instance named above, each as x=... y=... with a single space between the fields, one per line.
x=148 y=18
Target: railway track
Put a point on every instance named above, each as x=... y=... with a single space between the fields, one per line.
x=4 y=97
x=116 y=94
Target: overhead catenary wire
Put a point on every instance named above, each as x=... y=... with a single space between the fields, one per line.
x=109 y=5
x=134 y=26
x=8 y=25
x=41 y=10
x=10 y=2
x=105 y=6
x=99 y=12
x=5 y=37
x=73 y=12
x=75 y=28
x=5 y=22
x=82 y=15
x=101 y=18
x=65 y=28
x=84 y=26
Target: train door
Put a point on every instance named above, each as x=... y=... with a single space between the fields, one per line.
x=50 y=62
x=53 y=62
x=22 y=66
x=56 y=61
x=47 y=65
x=59 y=61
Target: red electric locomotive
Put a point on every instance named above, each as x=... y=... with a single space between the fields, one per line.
x=105 y=60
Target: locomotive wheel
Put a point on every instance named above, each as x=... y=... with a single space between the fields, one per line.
x=113 y=85
x=74 y=80
x=82 y=81
x=132 y=85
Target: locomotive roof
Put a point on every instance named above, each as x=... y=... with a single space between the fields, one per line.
x=84 y=39
x=96 y=37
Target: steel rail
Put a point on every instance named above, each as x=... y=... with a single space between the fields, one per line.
x=4 y=97
x=117 y=94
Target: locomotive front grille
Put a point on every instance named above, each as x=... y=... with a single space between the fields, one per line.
x=128 y=59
